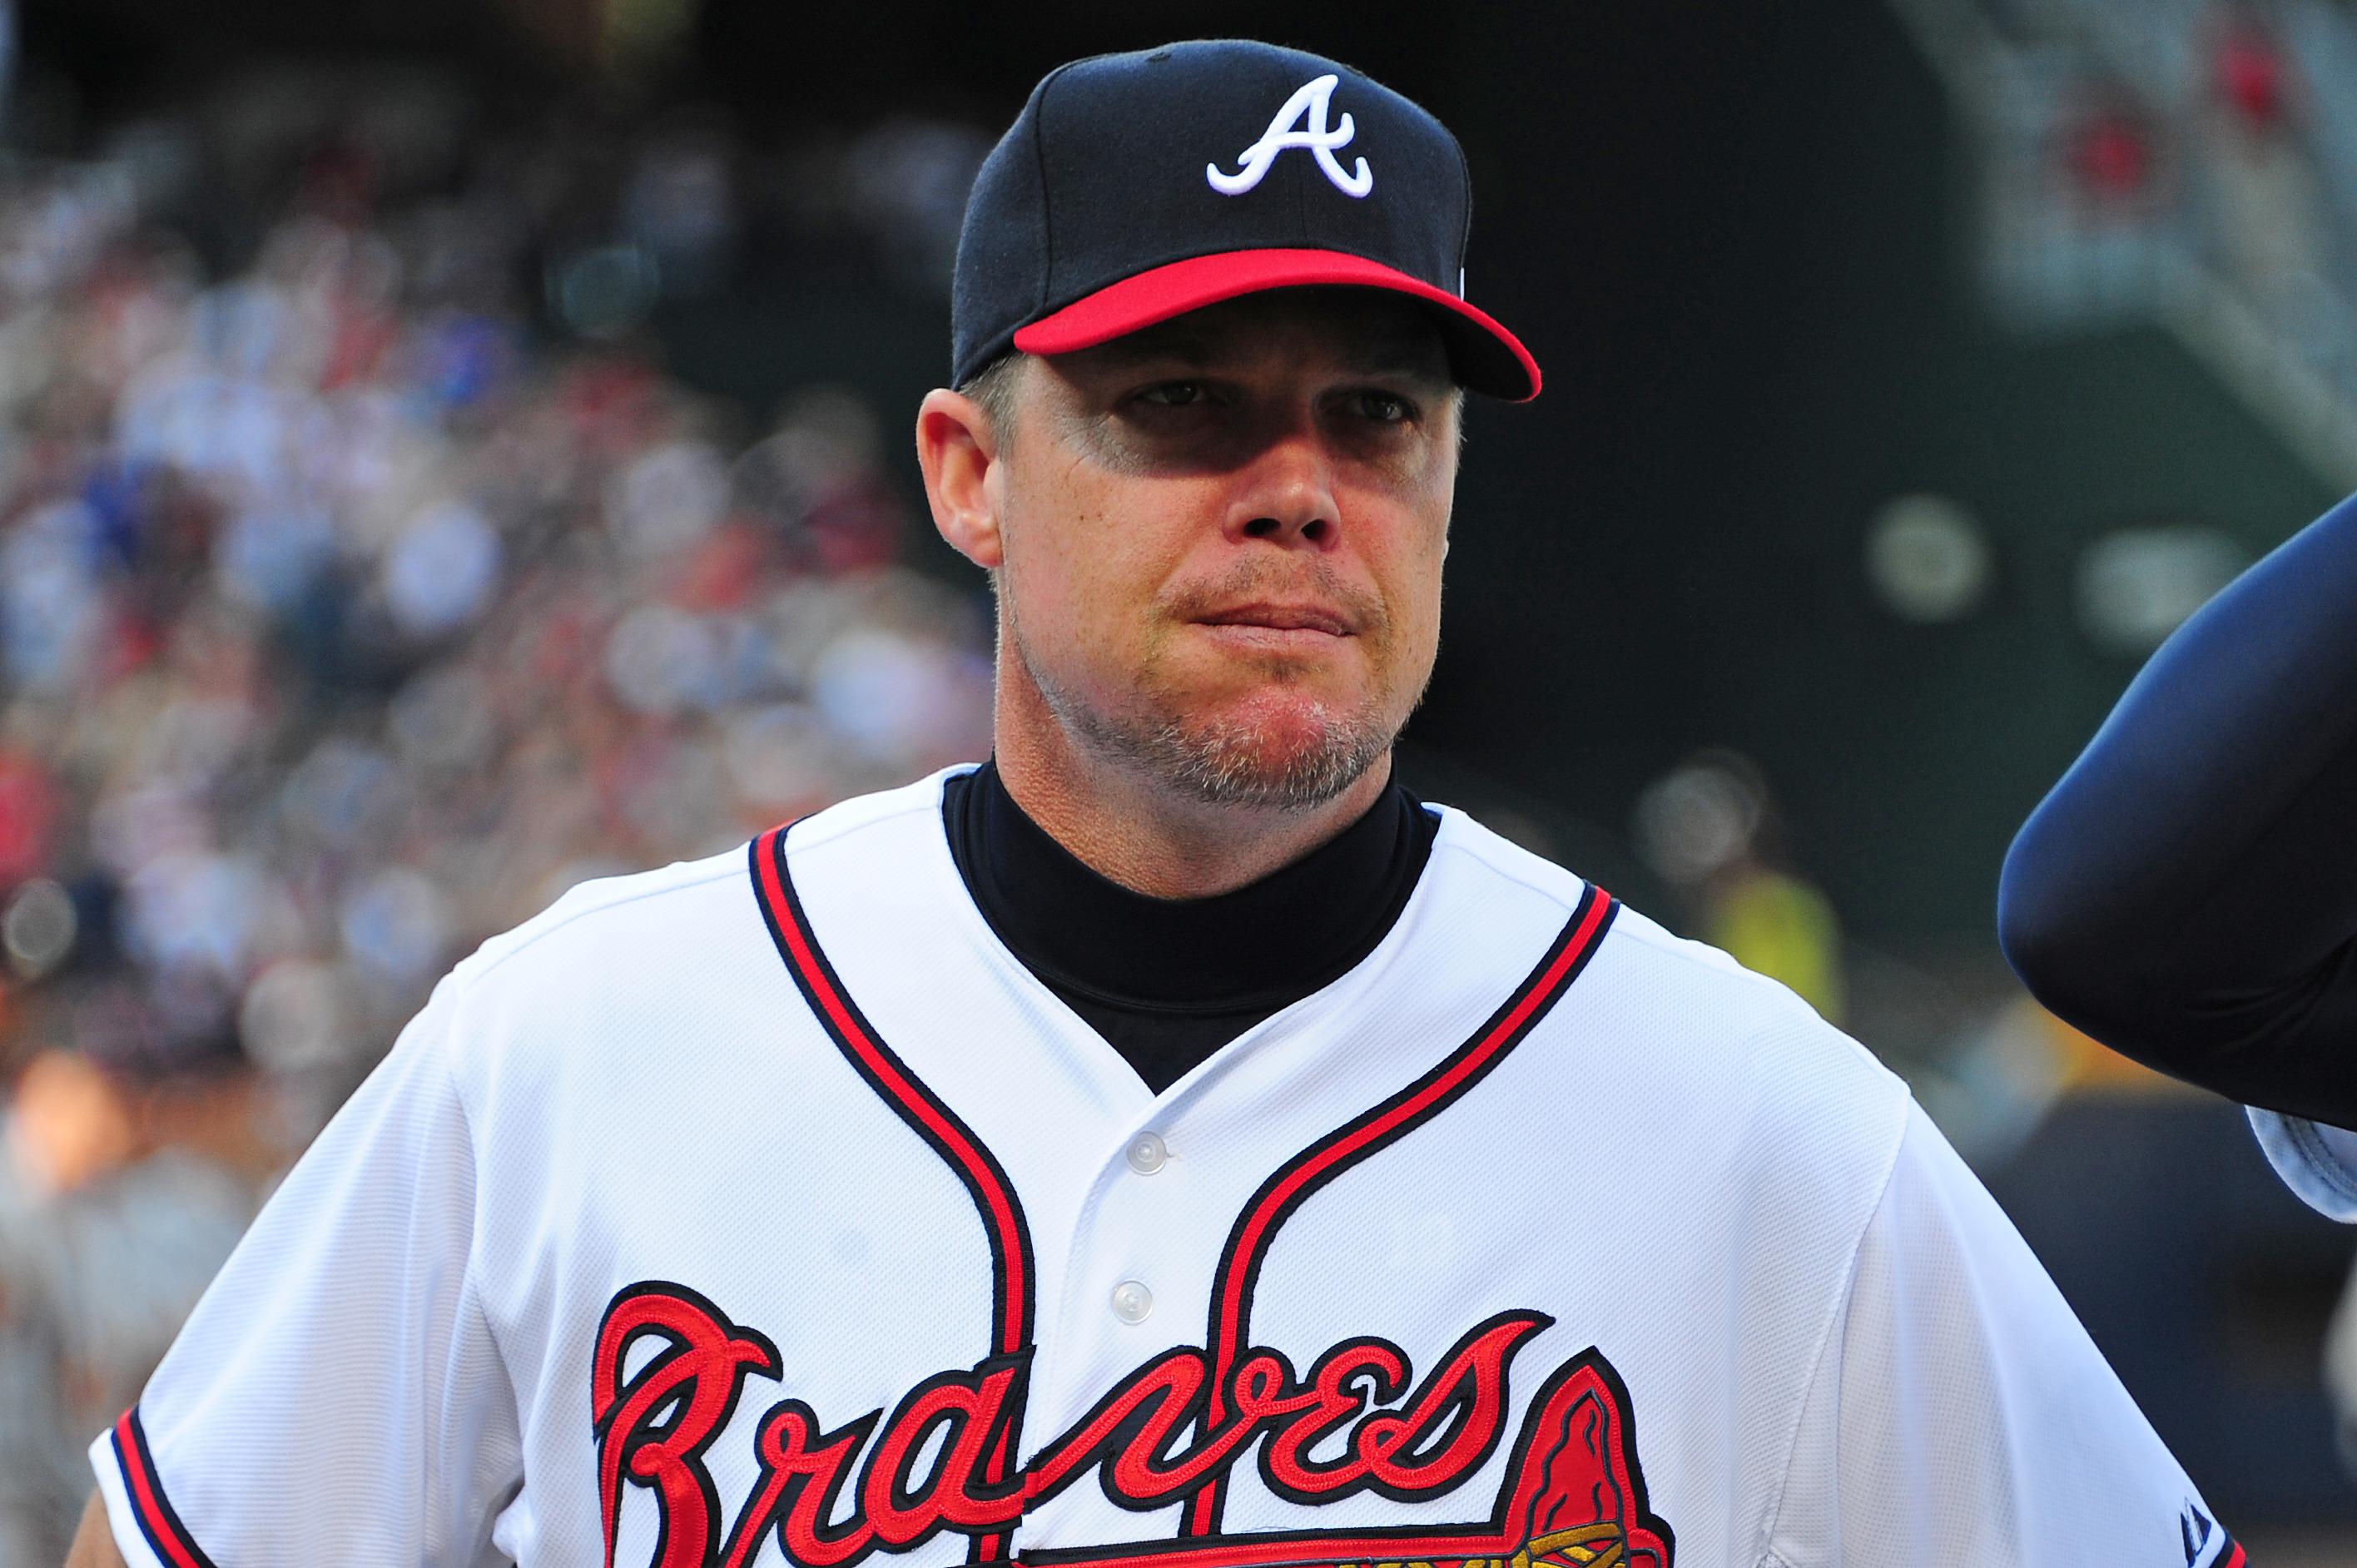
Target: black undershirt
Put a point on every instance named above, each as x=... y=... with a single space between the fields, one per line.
x=1169 y=981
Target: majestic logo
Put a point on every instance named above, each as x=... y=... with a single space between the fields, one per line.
x=1311 y=101
x=1573 y=1495
x=2206 y=1546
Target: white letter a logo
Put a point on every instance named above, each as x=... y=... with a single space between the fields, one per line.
x=1311 y=101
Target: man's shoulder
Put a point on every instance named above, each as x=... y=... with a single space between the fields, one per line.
x=633 y=966
x=1705 y=986
x=597 y=914
x=1686 y=1020
x=875 y=822
x=651 y=914
x=1654 y=961
x=1726 y=1029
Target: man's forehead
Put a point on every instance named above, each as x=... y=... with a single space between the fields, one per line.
x=1364 y=328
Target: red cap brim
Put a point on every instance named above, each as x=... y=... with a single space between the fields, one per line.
x=1486 y=357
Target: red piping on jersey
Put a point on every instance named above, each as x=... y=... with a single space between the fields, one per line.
x=1258 y=1225
x=158 y=1521
x=1002 y=1213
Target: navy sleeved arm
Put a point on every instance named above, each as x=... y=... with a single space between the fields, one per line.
x=2188 y=893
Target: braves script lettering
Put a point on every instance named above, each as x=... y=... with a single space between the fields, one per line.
x=831 y=1497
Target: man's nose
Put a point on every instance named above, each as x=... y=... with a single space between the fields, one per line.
x=1287 y=496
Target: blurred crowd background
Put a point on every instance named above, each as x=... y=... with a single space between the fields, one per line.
x=450 y=451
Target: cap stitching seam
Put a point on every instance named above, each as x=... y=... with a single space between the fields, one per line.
x=1047 y=201
x=1465 y=229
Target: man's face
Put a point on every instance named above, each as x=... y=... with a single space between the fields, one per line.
x=1222 y=539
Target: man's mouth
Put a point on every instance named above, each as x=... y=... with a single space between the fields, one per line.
x=1280 y=618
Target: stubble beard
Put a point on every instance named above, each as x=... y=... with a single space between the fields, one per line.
x=1242 y=761
x=1235 y=763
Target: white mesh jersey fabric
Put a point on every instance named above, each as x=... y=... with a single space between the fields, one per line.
x=2317 y=1161
x=1960 y=1414
x=1671 y=1262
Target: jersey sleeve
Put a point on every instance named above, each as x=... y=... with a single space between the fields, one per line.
x=2187 y=893
x=1959 y=1415
x=2316 y=1160
x=336 y=1397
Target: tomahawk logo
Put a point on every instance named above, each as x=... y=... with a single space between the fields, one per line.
x=1310 y=103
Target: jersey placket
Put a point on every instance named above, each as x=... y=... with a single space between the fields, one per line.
x=1143 y=1344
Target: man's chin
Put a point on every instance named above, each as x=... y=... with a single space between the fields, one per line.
x=1292 y=759
x=1266 y=742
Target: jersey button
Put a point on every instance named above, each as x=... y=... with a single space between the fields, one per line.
x=1147 y=1154
x=1131 y=1301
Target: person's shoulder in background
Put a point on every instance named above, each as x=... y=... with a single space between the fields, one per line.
x=2316 y=1160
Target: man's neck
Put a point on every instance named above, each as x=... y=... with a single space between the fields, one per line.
x=1143 y=832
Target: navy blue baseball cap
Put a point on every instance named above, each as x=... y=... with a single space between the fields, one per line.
x=1134 y=187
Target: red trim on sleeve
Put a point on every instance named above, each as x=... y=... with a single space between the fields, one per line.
x=158 y=1520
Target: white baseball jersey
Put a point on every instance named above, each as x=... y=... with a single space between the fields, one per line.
x=766 y=1209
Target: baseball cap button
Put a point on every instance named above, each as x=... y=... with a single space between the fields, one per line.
x=1147 y=1154
x=1131 y=1301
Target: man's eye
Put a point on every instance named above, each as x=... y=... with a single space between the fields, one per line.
x=1384 y=408
x=1175 y=394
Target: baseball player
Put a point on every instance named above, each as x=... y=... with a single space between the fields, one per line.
x=1170 y=1144
x=2188 y=893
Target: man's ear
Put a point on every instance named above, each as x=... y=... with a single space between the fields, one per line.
x=957 y=448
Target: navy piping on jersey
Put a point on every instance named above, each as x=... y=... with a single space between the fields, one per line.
x=1497 y=1540
x=1368 y=1134
x=1012 y=1293
x=158 y=1520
